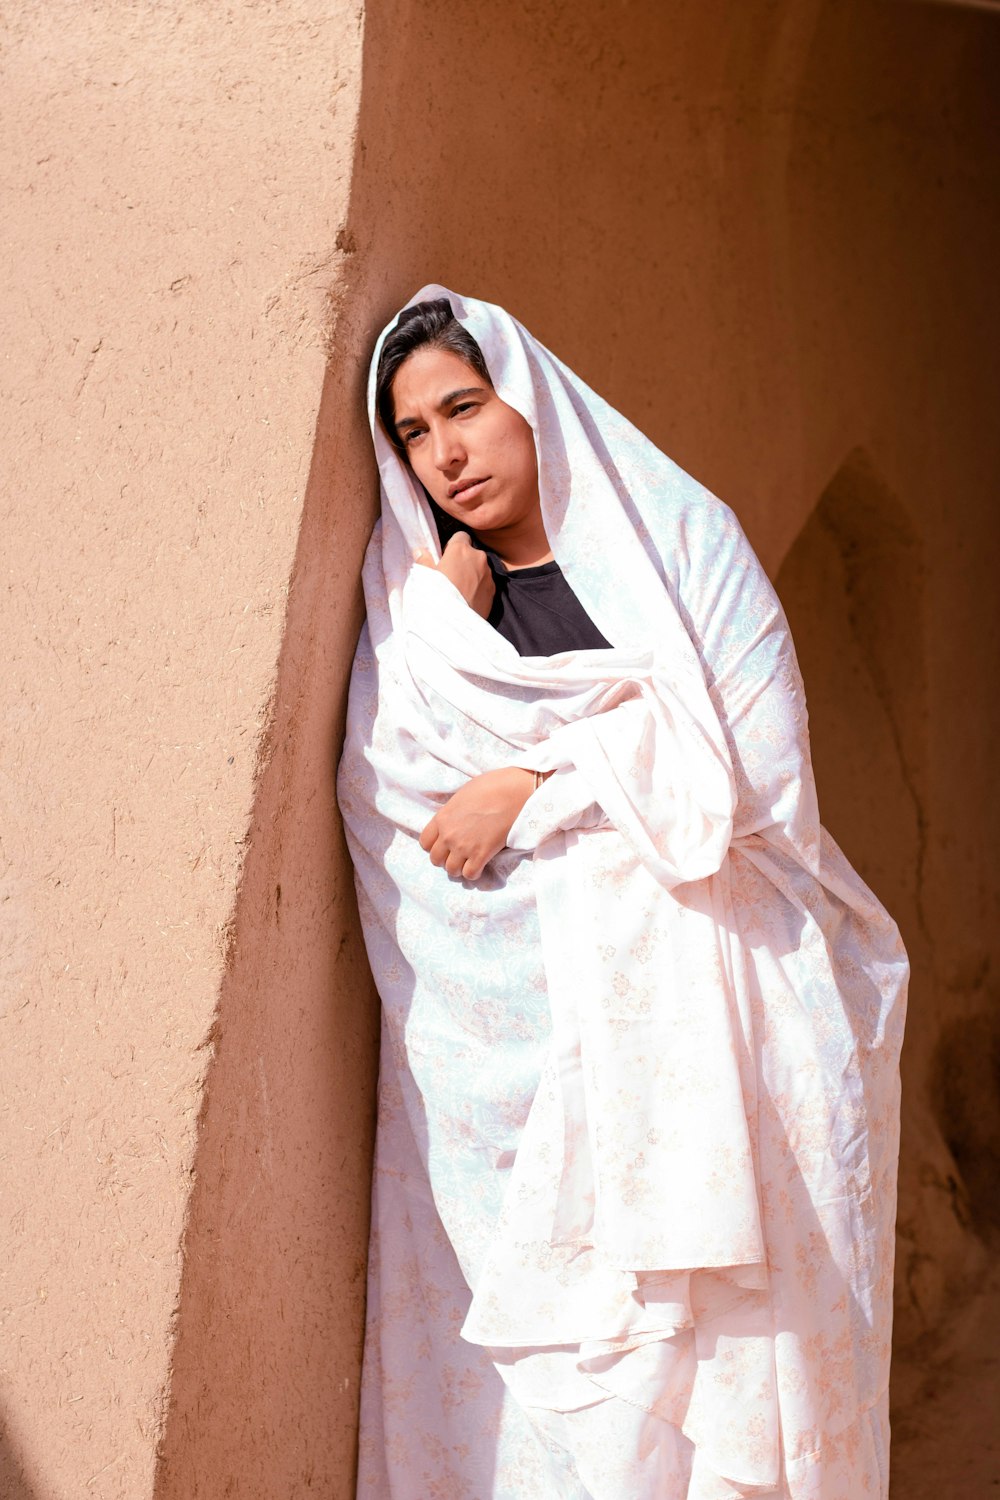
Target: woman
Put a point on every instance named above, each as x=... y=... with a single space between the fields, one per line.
x=638 y=1110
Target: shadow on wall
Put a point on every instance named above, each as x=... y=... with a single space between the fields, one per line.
x=14 y=1481
x=965 y=1091
x=853 y=587
x=264 y=1388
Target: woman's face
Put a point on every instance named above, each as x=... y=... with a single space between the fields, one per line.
x=474 y=454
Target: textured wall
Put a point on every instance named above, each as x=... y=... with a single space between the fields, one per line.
x=890 y=585
x=760 y=230
x=264 y=1385
x=174 y=179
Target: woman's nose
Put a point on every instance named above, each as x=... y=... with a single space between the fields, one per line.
x=446 y=447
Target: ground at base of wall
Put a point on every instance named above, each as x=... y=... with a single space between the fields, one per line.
x=945 y=1405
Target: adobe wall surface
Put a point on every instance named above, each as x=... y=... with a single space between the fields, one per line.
x=175 y=177
x=890 y=585
x=761 y=232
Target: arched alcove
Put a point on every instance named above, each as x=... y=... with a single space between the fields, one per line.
x=854 y=587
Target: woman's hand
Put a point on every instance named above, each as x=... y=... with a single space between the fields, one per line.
x=473 y=825
x=468 y=569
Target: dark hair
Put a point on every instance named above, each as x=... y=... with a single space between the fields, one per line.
x=425 y=323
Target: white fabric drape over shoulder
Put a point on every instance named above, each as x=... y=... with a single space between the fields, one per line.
x=638 y=1118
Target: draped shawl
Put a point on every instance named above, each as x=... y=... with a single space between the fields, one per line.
x=638 y=1115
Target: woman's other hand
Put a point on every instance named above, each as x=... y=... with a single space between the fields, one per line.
x=468 y=569
x=473 y=825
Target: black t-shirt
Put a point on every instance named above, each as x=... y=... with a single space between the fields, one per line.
x=537 y=611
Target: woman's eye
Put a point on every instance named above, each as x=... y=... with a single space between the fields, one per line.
x=411 y=436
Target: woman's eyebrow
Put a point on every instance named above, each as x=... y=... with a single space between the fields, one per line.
x=466 y=390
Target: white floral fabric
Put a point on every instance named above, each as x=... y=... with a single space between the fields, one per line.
x=638 y=1112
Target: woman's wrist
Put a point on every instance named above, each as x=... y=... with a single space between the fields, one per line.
x=537 y=776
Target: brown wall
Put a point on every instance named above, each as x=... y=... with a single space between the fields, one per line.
x=761 y=231
x=264 y=1384
x=890 y=585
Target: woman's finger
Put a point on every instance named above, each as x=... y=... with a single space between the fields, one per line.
x=429 y=835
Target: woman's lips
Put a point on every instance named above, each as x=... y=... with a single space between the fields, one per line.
x=470 y=491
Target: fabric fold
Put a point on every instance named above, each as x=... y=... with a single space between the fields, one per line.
x=646 y=755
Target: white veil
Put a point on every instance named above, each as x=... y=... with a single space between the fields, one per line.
x=694 y=1229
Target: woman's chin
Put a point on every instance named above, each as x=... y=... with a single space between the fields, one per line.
x=483 y=517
